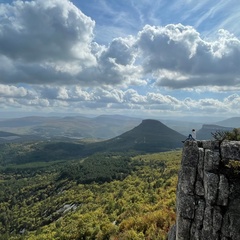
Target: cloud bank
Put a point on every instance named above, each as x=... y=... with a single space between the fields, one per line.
x=49 y=58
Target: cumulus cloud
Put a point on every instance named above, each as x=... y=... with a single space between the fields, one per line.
x=72 y=98
x=44 y=42
x=49 y=59
x=9 y=91
x=178 y=57
x=44 y=30
x=116 y=65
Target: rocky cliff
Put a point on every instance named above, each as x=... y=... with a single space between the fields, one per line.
x=208 y=192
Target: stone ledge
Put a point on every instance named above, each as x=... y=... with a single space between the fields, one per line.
x=208 y=200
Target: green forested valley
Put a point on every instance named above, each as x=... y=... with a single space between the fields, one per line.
x=104 y=196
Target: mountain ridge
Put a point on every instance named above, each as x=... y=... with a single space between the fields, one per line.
x=205 y=133
x=233 y=122
x=99 y=127
x=150 y=136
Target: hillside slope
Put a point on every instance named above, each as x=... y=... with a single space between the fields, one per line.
x=233 y=122
x=8 y=137
x=149 y=136
x=139 y=205
x=205 y=133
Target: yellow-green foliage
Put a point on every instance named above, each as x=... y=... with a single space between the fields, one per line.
x=234 y=135
x=234 y=165
x=141 y=206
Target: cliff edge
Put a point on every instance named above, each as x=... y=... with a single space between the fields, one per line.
x=208 y=192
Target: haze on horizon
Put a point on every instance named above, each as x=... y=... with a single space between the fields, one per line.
x=137 y=58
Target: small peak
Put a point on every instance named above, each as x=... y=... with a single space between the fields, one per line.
x=150 y=121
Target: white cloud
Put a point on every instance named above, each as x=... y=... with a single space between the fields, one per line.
x=72 y=98
x=49 y=59
x=44 y=41
x=178 y=57
x=10 y=91
x=50 y=30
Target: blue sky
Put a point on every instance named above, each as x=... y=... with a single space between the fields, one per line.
x=207 y=17
x=158 y=59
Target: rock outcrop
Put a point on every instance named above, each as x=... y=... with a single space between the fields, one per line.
x=208 y=192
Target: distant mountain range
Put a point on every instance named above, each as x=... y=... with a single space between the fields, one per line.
x=102 y=127
x=205 y=133
x=230 y=122
x=148 y=137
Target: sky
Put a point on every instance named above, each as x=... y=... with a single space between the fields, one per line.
x=144 y=58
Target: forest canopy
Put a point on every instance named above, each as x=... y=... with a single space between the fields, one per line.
x=104 y=196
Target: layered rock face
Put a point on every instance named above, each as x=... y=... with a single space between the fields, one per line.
x=208 y=193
